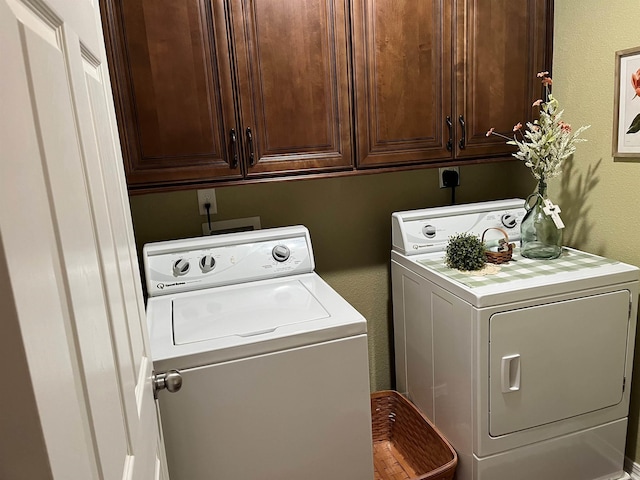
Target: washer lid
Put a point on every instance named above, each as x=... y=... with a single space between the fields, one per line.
x=243 y=311
x=239 y=321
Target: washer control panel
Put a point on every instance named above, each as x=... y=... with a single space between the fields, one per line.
x=429 y=229
x=204 y=262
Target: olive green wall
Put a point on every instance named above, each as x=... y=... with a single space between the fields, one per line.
x=349 y=218
x=350 y=223
x=599 y=195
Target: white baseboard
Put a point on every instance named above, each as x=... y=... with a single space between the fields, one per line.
x=632 y=468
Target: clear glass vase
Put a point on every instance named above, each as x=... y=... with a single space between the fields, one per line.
x=540 y=237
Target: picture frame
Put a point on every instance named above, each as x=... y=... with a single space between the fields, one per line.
x=626 y=121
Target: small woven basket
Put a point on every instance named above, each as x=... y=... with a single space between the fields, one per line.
x=406 y=445
x=499 y=256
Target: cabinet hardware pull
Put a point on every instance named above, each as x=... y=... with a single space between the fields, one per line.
x=450 y=125
x=250 y=144
x=463 y=140
x=234 y=148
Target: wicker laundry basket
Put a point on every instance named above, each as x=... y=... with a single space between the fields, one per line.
x=406 y=446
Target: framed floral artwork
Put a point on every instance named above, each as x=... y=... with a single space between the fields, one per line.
x=626 y=122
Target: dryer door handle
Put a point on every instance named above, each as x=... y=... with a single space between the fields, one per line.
x=510 y=373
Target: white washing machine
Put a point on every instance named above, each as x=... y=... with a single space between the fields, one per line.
x=526 y=371
x=274 y=366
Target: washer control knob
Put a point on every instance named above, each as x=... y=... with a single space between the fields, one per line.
x=508 y=220
x=181 y=267
x=429 y=231
x=207 y=263
x=280 y=253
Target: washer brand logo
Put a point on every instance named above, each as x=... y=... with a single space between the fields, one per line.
x=416 y=246
x=162 y=285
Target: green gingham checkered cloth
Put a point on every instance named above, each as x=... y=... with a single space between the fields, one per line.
x=522 y=268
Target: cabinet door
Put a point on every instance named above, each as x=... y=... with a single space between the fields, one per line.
x=173 y=93
x=402 y=69
x=500 y=46
x=294 y=94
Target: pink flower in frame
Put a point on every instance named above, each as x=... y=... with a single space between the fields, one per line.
x=635 y=82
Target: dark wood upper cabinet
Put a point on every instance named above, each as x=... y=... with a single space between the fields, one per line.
x=500 y=47
x=403 y=78
x=213 y=91
x=293 y=83
x=171 y=74
x=210 y=90
x=433 y=76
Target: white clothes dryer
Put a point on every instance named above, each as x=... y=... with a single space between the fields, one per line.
x=274 y=365
x=525 y=371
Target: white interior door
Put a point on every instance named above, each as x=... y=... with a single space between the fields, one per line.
x=81 y=406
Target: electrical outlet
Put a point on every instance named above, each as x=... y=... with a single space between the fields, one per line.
x=444 y=169
x=207 y=196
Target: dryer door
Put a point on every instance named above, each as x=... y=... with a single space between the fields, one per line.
x=556 y=361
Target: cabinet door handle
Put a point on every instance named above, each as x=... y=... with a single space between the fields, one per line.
x=463 y=140
x=450 y=142
x=250 y=145
x=234 y=148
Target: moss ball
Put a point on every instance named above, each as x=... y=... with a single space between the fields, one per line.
x=465 y=251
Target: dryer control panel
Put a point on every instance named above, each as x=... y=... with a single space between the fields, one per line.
x=204 y=262
x=429 y=229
